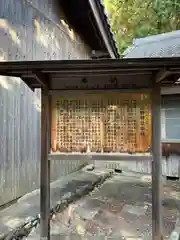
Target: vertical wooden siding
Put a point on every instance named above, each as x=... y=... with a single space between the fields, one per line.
x=29 y=30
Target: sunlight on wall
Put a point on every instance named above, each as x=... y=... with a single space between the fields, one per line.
x=37 y=104
x=70 y=32
x=3 y=79
x=57 y=46
x=12 y=33
x=3 y=55
x=4 y=83
x=39 y=36
x=16 y=80
x=14 y=37
x=44 y=36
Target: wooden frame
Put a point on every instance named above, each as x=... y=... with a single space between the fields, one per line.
x=156 y=164
x=45 y=166
x=129 y=129
x=44 y=70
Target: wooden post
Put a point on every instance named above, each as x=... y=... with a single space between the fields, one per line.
x=45 y=168
x=156 y=164
x=53 y=129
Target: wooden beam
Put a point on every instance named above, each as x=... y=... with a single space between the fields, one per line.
x=99 y=54
x=99 y=156
x=36 y=78
x=42 y=78
x=161 y=75
x=156 y=164
x=28 y=83
x=45 y=168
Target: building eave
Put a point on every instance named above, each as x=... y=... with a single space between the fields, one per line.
x=104 y=27
x=90 y=22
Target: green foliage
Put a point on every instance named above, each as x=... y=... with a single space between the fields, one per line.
x=131 y=19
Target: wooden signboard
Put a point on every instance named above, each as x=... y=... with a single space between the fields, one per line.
x=100 y=122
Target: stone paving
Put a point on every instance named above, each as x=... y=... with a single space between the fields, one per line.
x=120 y=209
x=27 y=208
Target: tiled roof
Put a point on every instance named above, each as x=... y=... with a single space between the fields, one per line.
x=161 y=45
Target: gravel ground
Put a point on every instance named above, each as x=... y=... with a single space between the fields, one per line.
x=120 y=209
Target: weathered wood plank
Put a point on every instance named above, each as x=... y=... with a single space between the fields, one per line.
x=30 y=30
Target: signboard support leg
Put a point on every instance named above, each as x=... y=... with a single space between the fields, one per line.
x=45 y=168
x=156 y=164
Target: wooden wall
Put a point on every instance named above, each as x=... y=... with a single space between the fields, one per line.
x=29 y=30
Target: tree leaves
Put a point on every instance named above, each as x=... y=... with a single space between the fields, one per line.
x=131 y=19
